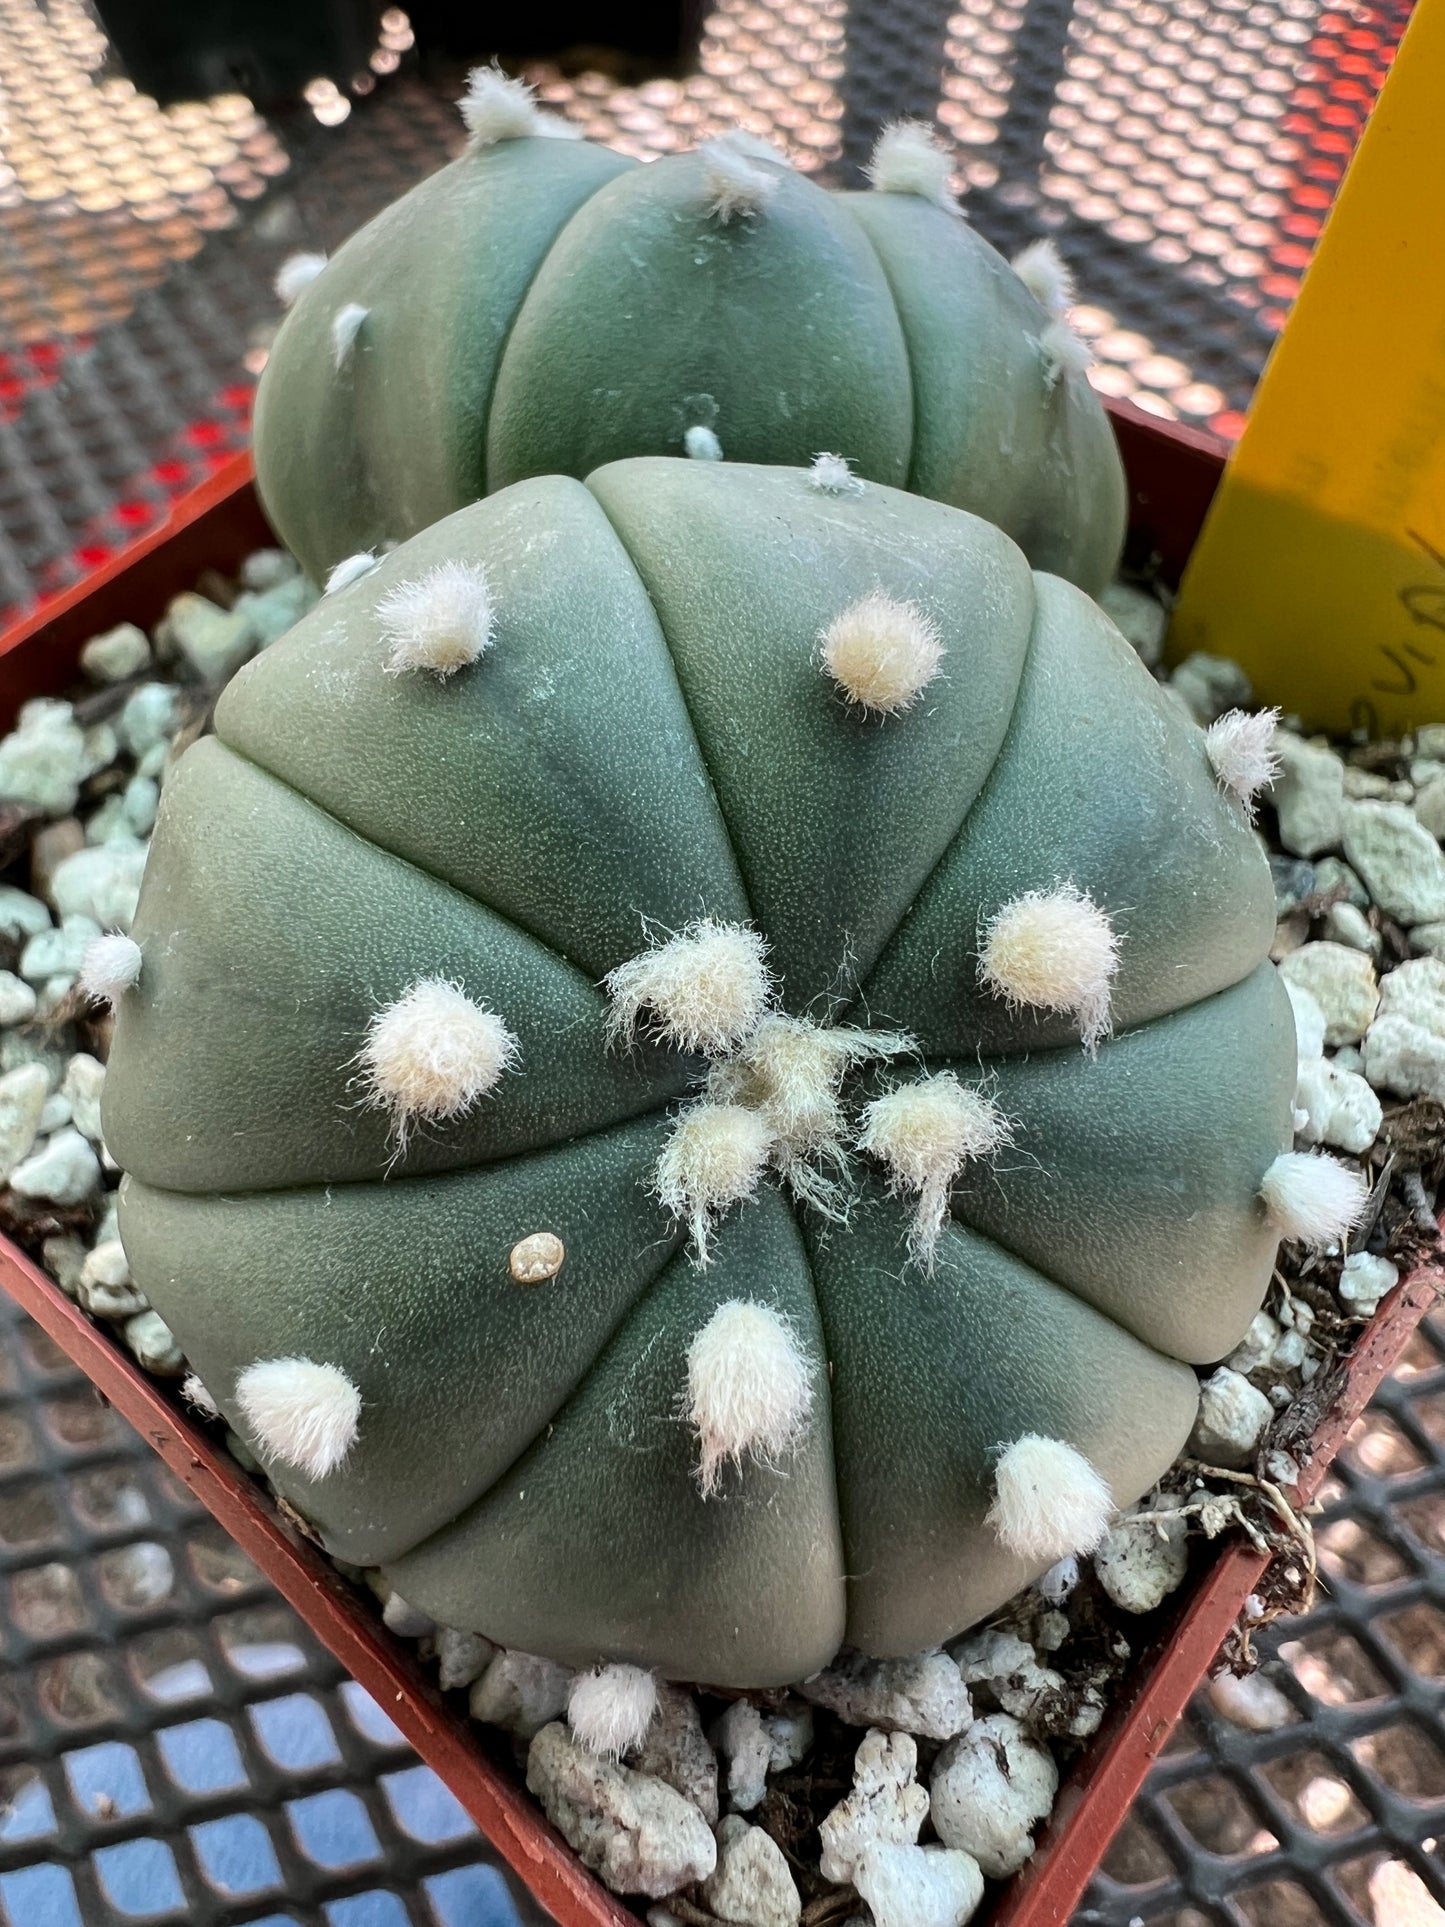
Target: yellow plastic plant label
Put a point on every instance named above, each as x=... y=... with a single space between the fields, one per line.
x=1321 y=568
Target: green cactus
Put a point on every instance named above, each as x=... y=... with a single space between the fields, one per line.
x=703 y=1064
x=545 y=306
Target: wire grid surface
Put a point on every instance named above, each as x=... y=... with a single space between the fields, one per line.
x=1338 y=1815
x=174 y=1744
x=1183 y=156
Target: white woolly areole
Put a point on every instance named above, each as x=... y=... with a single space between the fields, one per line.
x=1064 y=353
x=497 y=108
x=305 y=1414
x=923 y=1134
x=791 y=1071
x=110 y=967
x=702 y=445
x=345 y=327
x=881 y=653
x=1048 y=1500
x=909 y=158
x=611 y=1709
x=441 y=622
x=714 y=1159
x=832 y=475
x=1046 y=275
x=735 y=183
x=196 y=1395
x=295 y=275
x=1054 y=950
x=703 y=990
x=1243 y=754
x=433 y=1053
x=743 y=141
x=1312 y=1198
x=749 y=1388
x=350 y=569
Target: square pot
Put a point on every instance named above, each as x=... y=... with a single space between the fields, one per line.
x=1172 y=474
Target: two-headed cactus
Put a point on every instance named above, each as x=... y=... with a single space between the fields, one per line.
x=703 y=1065
x=545 y=305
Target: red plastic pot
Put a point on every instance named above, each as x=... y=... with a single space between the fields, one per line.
x=1173 y=474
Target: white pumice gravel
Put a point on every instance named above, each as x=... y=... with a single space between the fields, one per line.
x=989 y=1789
x=886 y=1805
x=638 y=1834
x=752 y=1884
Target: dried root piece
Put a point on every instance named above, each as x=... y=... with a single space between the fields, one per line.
x=749 y=1388
x=923 y=1134
x=702 y=990
x=1049 y=1502
x=1054 y=950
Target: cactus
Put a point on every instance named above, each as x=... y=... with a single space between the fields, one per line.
x=721 y=1125
x=545 y=306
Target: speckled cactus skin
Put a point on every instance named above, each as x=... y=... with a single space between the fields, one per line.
x=651 y=737
x=546 y=306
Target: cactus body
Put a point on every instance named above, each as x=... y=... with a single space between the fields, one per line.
x=544 y=306
x=541 y=1362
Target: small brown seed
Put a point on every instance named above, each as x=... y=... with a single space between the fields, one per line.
x=536 y=1258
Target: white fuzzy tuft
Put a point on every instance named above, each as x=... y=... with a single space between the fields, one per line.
x=304 y=1414
x=345 y=327
x=1048 y=1500
x=497 y=108
x=441 y=622
x=1064 y=353
x=832 y=475
x=882 y=654
x=749 y=1388
x=1046 y=275
x=735 y=183
x=714 y=1159
x=924 y=1133
x=433 y=1053
x=1054 y=951
x=295 y=275
x=110 y=967
x=791 y=1072
x=909 y=158
x=754 y=146
x=1242 y=751
x=703 y=990
x=1313 y=1199
x=702 y=445
x=196 y=1396
x=611 y=1709
x=350 y=569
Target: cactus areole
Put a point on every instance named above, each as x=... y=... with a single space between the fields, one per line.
x=721 y=1126
x=545 y=306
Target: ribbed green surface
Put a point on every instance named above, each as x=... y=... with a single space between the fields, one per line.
x=652 y=738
